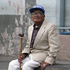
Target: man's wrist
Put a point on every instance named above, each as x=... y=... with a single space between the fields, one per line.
x=26 y=54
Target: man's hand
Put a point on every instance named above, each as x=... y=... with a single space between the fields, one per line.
x=21 y=57
x=43 y=65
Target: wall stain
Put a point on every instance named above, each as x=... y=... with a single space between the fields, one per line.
x=12 y=25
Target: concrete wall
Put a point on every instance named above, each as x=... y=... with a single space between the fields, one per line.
x=64 y=53
x=10 y=7
x=13 y=23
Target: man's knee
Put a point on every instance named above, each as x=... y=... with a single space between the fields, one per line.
x=26 y=66
x=11 y=63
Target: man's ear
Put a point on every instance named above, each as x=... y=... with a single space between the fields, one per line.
x=44 y=16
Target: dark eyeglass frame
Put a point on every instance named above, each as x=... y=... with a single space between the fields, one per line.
x=37 y=13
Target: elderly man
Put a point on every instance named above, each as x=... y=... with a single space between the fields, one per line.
x=42 y=45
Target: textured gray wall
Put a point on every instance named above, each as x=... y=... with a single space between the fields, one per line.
x=11 y=26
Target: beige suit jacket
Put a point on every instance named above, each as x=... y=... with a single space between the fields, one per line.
x=46 y=44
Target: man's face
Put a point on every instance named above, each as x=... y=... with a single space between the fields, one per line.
x=37 y=16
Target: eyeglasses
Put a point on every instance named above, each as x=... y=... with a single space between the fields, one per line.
x=37 y=13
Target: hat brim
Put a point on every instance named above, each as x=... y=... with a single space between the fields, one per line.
x=32 y=9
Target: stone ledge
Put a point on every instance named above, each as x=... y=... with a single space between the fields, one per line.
x=7 y=58
x=56 y=67
x=59 y=65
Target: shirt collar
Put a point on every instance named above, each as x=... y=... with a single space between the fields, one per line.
x=37 y=27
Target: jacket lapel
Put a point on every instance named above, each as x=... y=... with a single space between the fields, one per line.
x=40 y=33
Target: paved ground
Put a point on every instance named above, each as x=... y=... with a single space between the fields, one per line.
x=4 y=61
x=4 y=65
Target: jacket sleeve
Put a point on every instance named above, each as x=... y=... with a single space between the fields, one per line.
x=54 y=44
